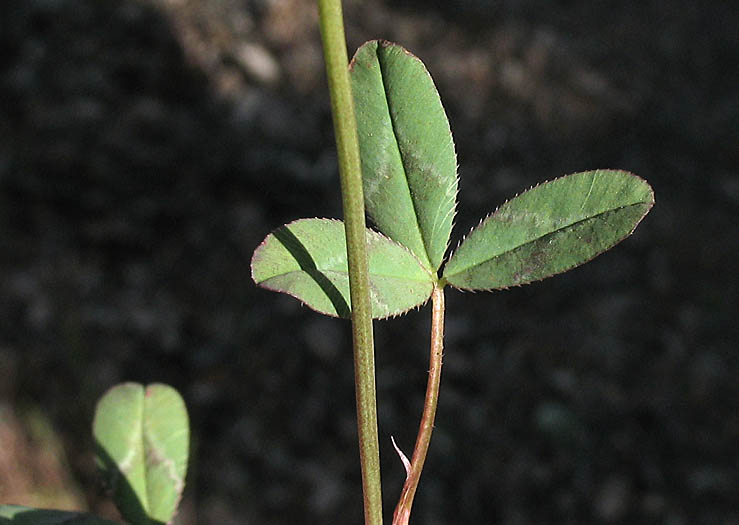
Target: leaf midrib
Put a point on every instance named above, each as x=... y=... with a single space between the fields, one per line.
x=393 y=124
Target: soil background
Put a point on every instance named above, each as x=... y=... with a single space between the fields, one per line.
x=147 y=147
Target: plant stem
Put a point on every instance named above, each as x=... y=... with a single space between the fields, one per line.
x=403 y=510
x=347 y=145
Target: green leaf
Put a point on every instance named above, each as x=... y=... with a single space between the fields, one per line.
x=19 y=515
x=307 y=259
x=409 y=167
x=142 y=437
x=550 y=229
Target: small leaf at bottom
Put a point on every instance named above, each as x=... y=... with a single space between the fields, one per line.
x=142 y=438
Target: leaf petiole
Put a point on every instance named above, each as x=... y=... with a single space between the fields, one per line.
x=403 y=509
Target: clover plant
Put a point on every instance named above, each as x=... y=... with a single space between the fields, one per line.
x=396 y=158
x=410 y=185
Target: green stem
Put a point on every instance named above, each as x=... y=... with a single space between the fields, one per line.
x=347 y=145
x=403 y=509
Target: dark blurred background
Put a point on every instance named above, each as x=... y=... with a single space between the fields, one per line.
x=146 y=148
